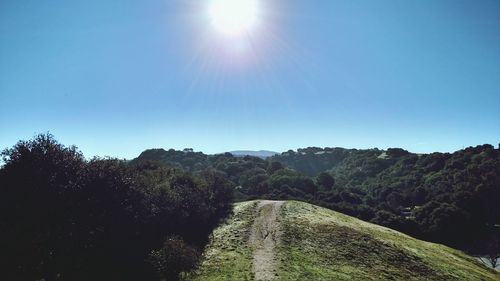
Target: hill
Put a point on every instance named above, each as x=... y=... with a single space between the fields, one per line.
x=290 y=240
x=448 y=198
x=260 y=153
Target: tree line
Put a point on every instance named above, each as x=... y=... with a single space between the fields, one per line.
x=65 y=218
x=449 y=198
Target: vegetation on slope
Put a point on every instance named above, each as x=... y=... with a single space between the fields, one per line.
x=450 y=198
x=229 y=255
x=442 y=197
x=320 y=244
x=65 y=218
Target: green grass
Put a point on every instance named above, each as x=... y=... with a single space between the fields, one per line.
x=228 y=255
x=320 y=244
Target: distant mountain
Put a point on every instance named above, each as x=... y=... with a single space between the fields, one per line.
x=261 y=153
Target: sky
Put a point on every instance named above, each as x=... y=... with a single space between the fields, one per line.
x=117 y=77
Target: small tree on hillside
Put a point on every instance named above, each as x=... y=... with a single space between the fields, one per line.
x=325 y=180
x=274 y=166
x=173 y=258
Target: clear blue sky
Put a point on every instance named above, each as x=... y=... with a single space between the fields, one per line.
x=118 y=77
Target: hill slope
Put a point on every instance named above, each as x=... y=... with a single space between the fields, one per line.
x=276 y=240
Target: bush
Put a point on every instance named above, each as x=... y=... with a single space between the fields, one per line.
x=64 y=218
x=174 y=257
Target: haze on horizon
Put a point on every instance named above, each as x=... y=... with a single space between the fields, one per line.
x=116 y=78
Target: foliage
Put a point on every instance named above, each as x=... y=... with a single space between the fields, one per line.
x=65 y=218
x=325 y=180
x=173 y=258
x=229 y=256
x=442 y=197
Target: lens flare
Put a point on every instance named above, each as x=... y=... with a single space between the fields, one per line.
x=234 y=17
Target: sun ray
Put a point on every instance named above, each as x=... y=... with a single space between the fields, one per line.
x=234 y=17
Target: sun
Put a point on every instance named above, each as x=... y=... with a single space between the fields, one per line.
x=233 y=17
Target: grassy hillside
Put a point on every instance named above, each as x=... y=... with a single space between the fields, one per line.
x=319 y=244
x=229 y=255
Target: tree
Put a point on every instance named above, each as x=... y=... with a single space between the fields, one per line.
x=350 y=197
x=65 y=218
x=442 y=221
x=274 y=166
x=325 y=180
x=37 y=184
x=172 y=258
x=420 y=195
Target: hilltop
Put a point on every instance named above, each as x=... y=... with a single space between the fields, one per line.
x=448 y=198
x=291 y=240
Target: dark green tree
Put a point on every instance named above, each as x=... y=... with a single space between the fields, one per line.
x=325 y=180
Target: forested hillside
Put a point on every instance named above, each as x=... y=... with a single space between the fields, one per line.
x=64 y=217
x=450 y=198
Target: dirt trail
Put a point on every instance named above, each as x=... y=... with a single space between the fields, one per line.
x=265 y=234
